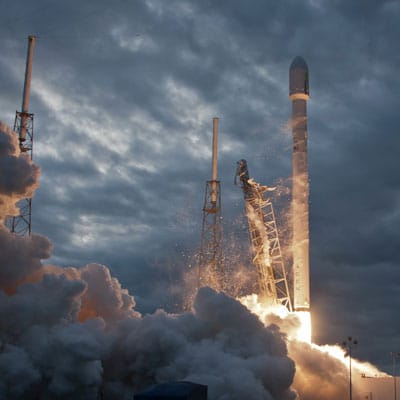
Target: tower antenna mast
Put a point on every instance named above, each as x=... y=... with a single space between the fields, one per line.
x=23 y=125
x=210 y=267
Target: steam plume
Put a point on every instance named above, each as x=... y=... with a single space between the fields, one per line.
x=18 y=175
x=74 y=333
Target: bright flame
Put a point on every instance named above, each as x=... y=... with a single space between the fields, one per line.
x=299 y=329
x=303 y=334
x=320 y=369
x=302 y=330
x=366 y=369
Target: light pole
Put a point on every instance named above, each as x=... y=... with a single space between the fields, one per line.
x=394 y=355
x=348 y=345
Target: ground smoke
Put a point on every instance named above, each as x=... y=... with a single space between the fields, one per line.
x=73 y=333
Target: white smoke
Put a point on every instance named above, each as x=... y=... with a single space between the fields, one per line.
x=322 y=372
x=73 y=332
x=18 y=175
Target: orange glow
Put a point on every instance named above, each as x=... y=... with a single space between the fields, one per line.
x=331 y=359
x=300 y=321
x=304 y=331
x=339 y=353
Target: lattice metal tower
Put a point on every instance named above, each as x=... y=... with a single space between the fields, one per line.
x=267 y=256
x=210 y=267
x=23 y=125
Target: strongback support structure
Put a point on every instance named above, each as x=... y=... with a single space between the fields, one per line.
x=23 y=125
x=210 y=267
x=267 y=256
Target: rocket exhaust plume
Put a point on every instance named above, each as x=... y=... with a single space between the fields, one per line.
x=299 y=95
x=73 y=333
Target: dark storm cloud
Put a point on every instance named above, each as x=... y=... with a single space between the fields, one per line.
x=123 y=97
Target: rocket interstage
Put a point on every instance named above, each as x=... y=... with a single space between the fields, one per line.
x=299 y=95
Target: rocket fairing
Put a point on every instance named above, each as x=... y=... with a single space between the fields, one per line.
x=299 y=95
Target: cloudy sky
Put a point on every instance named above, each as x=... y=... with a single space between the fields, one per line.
x=124 y=93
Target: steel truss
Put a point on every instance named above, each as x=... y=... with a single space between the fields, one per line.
x=22 y=224
x=210 y=267
x=266 y=249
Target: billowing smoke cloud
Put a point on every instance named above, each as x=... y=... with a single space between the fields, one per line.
x=20 y=257
x=73 y=332
x=18 y=175
x=19 y=178
x=318 y=374
x=220 y=343
x=322 y=372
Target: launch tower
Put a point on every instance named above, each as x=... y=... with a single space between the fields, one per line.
x=299 y=95
x=267 y=257
x=210 y=267
x=23 y=125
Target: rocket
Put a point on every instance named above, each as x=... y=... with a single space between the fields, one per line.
x=299 y=95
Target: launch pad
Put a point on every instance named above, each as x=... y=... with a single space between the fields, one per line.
x=272 y=276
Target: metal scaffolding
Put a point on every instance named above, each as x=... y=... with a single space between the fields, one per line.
x=210 y=267
x=267 y=256
x=22 y=224
x=210 y=258
x=23 y=125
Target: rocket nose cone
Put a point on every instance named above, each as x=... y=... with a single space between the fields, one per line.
x=298 y=77
x=298 y=63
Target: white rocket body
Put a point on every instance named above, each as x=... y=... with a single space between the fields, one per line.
x=299 y=95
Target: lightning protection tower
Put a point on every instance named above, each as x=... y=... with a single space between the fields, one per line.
x=210 y=267
x=266 y=249
x=23 y=125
